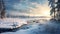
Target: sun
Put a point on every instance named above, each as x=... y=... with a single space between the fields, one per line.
x=46 y=13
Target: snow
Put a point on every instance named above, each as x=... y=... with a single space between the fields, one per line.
x=47 y=27
x=8 y=22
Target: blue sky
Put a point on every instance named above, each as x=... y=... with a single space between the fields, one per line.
x=26 y=7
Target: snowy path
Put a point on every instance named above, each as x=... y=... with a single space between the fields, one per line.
x=42 y=28
x=48 y=28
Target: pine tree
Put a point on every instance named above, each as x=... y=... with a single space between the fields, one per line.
x=53 y=9
x=58 y=9
x=52 y=3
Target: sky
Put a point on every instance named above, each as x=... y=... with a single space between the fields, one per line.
x=27 y=7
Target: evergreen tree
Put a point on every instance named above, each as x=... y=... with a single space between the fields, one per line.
x=58 y=9
x=52 y=3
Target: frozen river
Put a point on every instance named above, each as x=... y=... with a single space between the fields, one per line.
x=48 y=27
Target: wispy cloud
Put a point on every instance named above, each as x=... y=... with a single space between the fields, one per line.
x=40 y=9
x=31 y=7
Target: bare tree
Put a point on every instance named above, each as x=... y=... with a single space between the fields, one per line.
x=2 y=9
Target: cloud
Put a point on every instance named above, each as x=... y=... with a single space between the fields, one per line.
x=31 y=8
x=42 y=10
x=18 y=14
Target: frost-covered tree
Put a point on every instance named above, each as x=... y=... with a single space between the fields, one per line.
x=58 y=9
x=52 y=5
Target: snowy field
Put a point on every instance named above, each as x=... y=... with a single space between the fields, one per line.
x=9 y=22
x=43 y=27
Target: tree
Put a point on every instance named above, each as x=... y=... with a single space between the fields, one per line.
x=2 y=9
x=52 y=3
x=58 y=9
